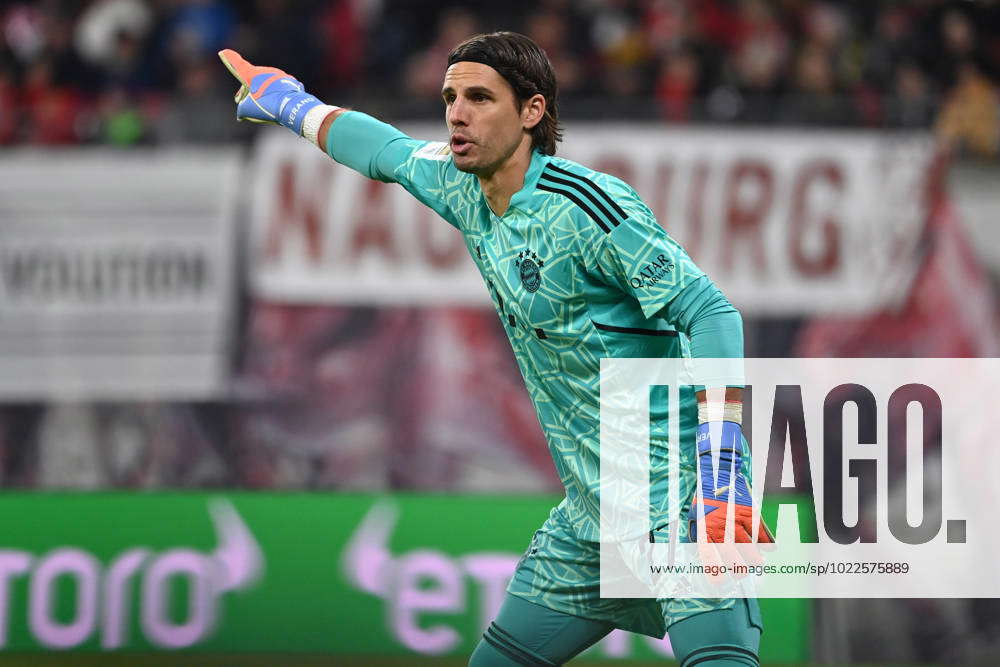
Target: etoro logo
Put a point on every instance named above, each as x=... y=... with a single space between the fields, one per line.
x=401 y=580
x=452 y=587
x=103 y=593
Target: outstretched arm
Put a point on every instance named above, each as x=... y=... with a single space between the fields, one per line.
x=367 y=145
x=273 y=96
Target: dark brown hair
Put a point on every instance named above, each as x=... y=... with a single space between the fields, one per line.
x=524 y=65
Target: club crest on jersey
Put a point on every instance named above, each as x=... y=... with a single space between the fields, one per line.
x=529 y=268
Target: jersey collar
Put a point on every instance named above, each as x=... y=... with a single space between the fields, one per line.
x=535 y=167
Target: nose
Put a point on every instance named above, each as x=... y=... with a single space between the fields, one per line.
x=457 y=113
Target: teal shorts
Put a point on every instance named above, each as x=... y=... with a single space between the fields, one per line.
x=562 y=572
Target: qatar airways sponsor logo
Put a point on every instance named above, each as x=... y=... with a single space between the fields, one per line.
x=102 y=593
x=652 y=272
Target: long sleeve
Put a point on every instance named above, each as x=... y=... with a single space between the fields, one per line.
x=382 y=152
x=706 y=317
x=364 y=143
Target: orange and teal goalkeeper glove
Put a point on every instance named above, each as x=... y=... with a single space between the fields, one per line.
x=730 y=487
x=268 y=94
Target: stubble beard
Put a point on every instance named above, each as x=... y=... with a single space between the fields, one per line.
x=484 y=171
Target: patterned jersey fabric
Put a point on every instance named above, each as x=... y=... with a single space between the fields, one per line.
x=578 y=268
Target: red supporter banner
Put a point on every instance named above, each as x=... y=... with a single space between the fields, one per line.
x=786 y=222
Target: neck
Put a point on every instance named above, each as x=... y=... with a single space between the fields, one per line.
x=501 y=184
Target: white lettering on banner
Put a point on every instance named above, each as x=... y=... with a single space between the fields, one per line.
x=117 y=596
x=428 y=581
x=367 y=563
x=83 y=568
x=12 y=563
x=235 y=564
x=491 y=572
x=784 y=221
x=412 y=597
x=202 y=599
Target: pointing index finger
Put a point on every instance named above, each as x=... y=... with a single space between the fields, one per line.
x=236 y=65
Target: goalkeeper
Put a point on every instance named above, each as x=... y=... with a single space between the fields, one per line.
x=578 y=269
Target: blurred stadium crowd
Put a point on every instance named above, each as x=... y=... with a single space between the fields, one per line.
x=125 y=72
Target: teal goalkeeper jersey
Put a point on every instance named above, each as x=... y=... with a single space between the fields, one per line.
x=578 y=269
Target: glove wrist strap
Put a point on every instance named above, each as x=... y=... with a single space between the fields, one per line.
x=314 y=120
x=731 y=411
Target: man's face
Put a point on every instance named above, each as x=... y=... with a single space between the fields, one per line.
x=483 y=115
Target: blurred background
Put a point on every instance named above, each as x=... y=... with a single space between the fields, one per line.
x=250 y=403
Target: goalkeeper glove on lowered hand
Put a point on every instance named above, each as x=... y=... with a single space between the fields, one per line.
x=727 y=494
x=268 y=94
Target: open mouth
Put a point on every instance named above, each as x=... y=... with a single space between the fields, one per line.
x=460 y=145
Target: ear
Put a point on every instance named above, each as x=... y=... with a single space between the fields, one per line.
x=532 y=111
